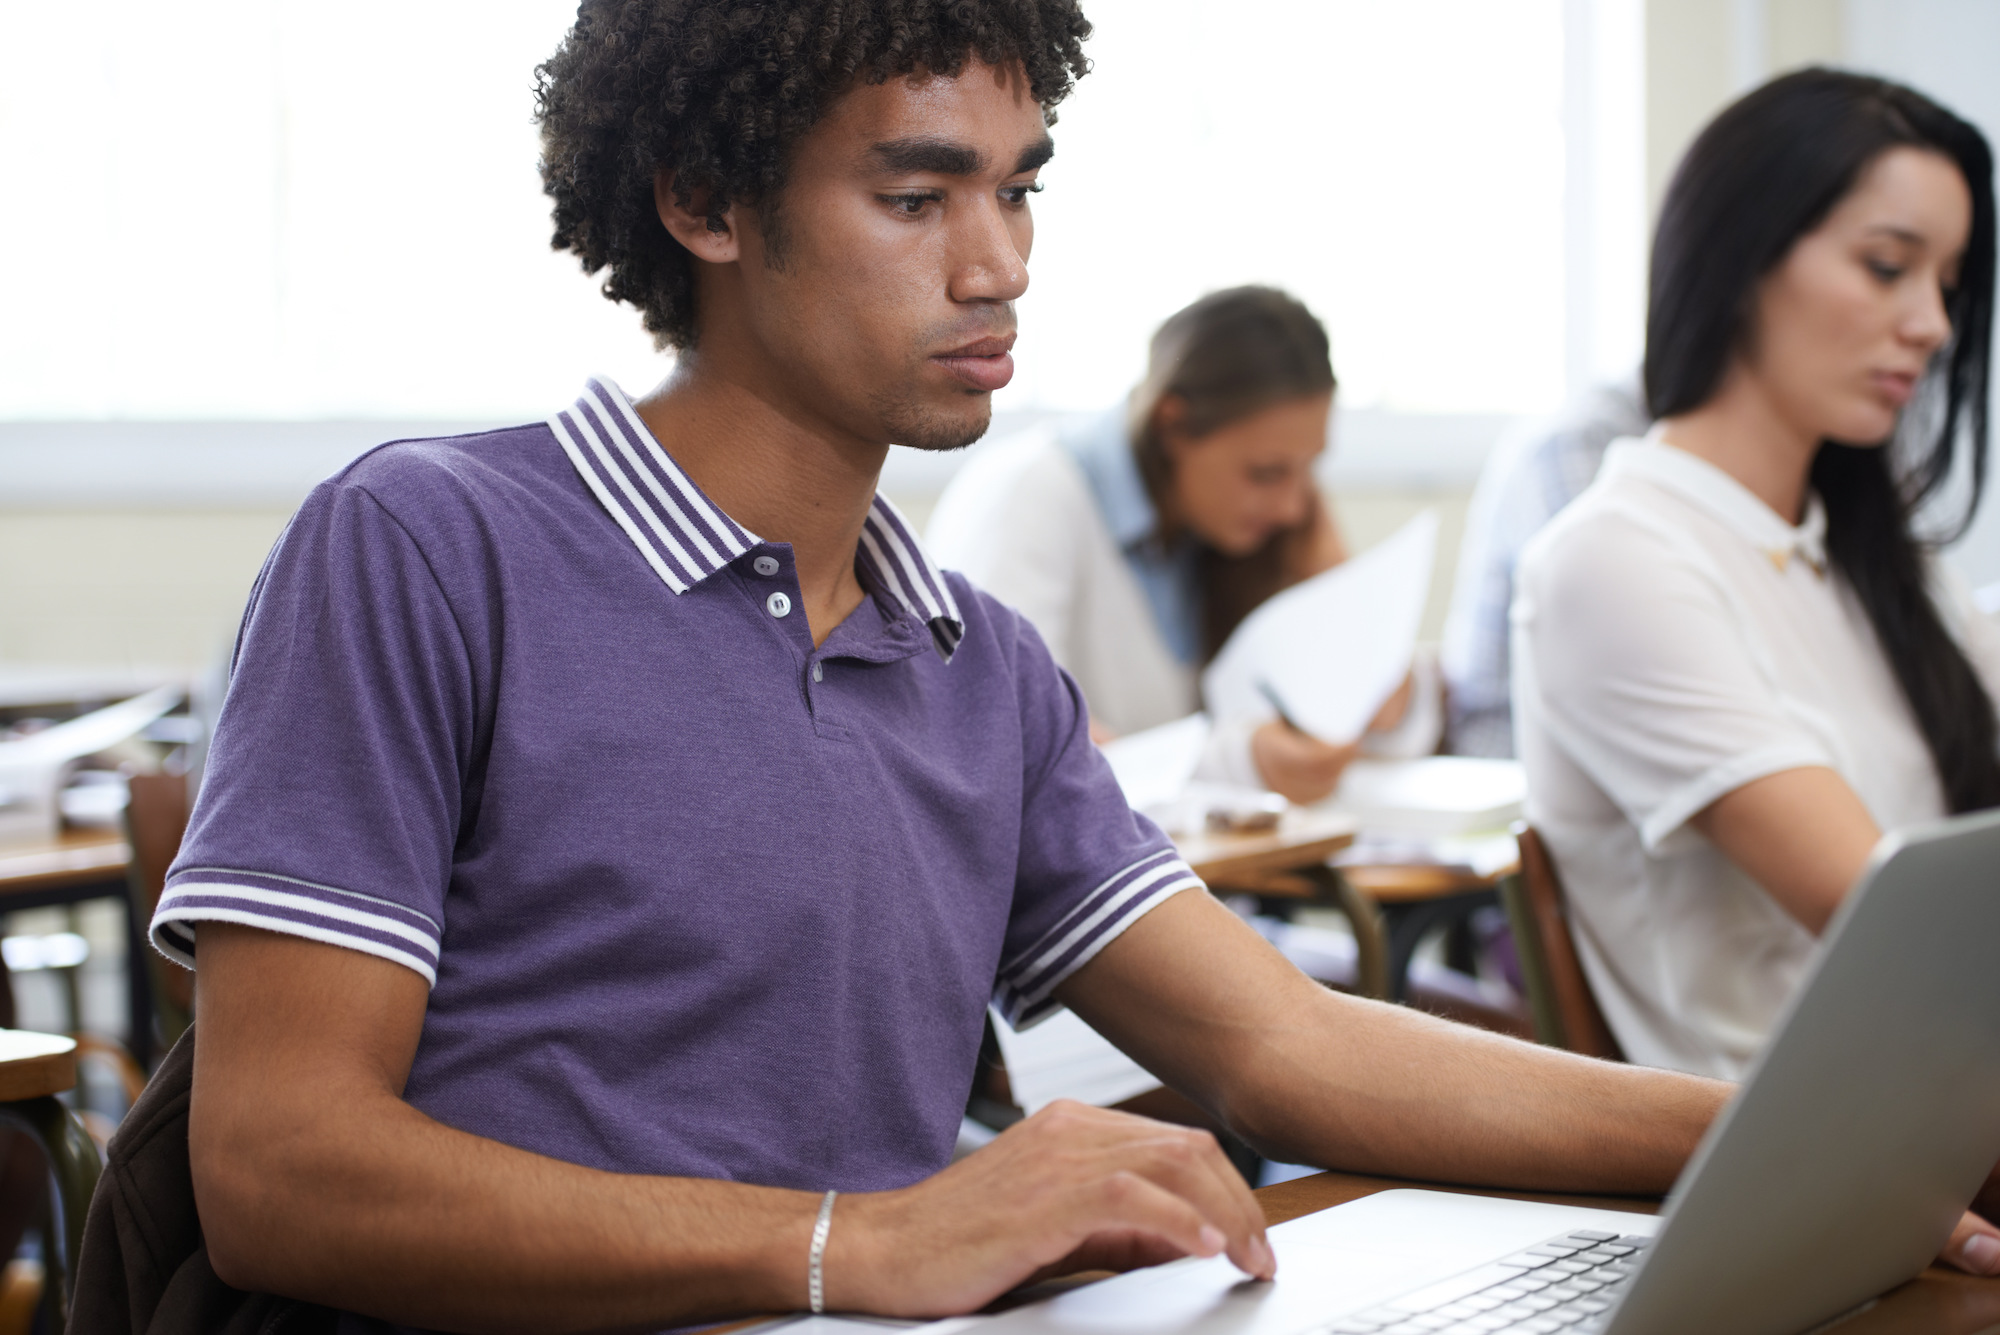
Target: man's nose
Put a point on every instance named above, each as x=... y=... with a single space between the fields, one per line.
x=987 y=263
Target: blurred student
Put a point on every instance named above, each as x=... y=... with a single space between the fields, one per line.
x=1137 y=541
x=1736 y=663
x=1534 y=471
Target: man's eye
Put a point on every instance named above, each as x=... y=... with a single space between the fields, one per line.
x=1018 y=194
x=911 y=205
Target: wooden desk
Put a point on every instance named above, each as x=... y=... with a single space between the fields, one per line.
x=1391 y=907
x=67 y=869
x=1291 y=862
x=39 y=867
x=1303 y=839
x=1937 y=1302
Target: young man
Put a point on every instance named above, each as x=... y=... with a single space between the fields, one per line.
x=616 y=826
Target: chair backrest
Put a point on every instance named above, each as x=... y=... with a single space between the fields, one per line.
x=1565 y=1009
x=155 y=821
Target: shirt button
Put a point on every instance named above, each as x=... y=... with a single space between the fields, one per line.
x=818 y=672
x=766 y=566
x=778 y=605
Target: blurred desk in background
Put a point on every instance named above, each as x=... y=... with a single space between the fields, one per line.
x=69 y=868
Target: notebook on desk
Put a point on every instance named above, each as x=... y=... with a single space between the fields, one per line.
x=1836 y=1173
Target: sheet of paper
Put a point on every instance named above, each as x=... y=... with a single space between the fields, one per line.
x=1154 y=766
x=1434 y=795
x=1335 y=647
x=1064 y=1058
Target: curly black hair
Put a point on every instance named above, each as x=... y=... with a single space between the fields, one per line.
x=718 y=92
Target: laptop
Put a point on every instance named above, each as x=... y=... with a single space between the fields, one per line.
x=1836 y=1173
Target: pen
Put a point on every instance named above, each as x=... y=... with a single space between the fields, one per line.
x=1284 y=716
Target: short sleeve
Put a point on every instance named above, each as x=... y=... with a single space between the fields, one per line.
x=1090 y=866
x=331 y=801
x=1636 y=661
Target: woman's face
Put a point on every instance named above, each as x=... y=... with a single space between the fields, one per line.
x=1848 y=320
x=1235 y=487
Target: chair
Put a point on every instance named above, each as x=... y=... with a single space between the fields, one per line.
x=1565 y=1010
x=155 y=820
x=34 y=1068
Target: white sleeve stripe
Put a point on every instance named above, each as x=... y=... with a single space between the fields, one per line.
x=1024 y=960
x=279 y=899
x=181 y=878
x=1176 y=874
x=1026 y=1008
x=288 y=927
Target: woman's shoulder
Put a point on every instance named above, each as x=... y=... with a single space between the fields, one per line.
x=1617 y=513
x=1025 y=484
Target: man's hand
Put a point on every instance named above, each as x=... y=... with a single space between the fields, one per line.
x=1296 y=764
x=1071 y=1188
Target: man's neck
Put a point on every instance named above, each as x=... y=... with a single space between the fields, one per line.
x=784 y=480
x=1745 y=434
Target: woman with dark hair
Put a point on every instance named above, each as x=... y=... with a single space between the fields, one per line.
x=1135 y=542
x=1738 y=661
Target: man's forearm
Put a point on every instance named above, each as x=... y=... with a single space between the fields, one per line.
x=372 y=1206
x=1311 y=1076
x=1385 y=1089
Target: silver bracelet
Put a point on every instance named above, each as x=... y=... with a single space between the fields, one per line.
x=816 y=1262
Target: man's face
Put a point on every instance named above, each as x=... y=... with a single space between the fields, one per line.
x=878 y=294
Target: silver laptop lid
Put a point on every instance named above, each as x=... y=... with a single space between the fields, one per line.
x=1870 y=1119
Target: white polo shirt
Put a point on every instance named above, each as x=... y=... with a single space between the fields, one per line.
x=1675 y=639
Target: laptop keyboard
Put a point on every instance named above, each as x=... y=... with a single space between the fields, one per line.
x=1568 y=1284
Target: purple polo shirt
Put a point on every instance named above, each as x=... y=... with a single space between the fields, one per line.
x=527 y=714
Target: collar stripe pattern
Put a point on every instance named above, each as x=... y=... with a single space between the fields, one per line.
x=898 y=563
x=683 y=537
x=686 y=538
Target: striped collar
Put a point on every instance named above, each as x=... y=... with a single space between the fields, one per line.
x=685 y=537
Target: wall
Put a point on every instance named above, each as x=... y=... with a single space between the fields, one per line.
x=133 y=545
x=1701 y=54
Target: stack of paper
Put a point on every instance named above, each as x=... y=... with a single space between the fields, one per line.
x=1432 y=797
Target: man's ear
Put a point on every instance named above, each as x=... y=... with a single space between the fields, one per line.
x=689 y=223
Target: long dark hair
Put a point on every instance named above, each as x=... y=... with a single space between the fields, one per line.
x=1765 y=172
x=1229 y=356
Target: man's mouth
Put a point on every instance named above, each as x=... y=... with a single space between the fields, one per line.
x=986 y=364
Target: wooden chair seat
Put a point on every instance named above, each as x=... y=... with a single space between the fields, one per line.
x=34 y=1068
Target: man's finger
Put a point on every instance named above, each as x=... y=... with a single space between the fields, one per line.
x=1191 y=1165
x=1127 y=1201
x=1974 y=1247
